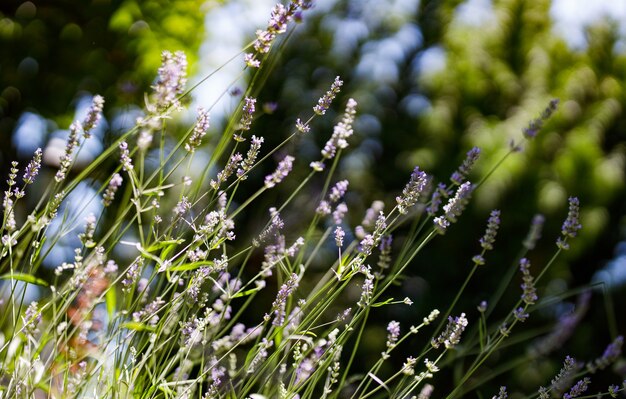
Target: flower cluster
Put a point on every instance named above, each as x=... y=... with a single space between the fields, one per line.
x=529 y=292
x=451 y=336
x=459 y=176
x=170 y=82
x=454 y=207
x=283 y=169
x=341 y=132
x=412 y=191
x=535 y=125
x=199 y=130
x=571 y=225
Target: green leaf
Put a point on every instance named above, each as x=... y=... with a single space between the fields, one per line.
x=111 y=299
x=164 y=244
x=190 y=266
x=245 y=293
x=136 y=326
x=379 y=304
x=27 y=278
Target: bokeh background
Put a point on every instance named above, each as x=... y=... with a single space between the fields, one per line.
x=432 y=78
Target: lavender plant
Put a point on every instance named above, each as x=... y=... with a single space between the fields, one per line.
x=166 y=296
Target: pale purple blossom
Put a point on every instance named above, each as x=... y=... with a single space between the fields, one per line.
x=412 y=191
x=199 y=130
x=460 y=175
x=340 y=211
x=324 y=102
x=251 y=157
x=339 y=236
x=338 y=190
x=536 y=124
x=132 y=274
x=534 y=234
x=529 y=292
x=283 y=169
x=451 y=336
x=171 y=81
x=278 y=307
x=571 y=225
x=114 y=184
x=66 y=159
x=93 y=115
x=578 y=389
x=393 y=333
x=127 y=162
x=32 y=169
x=229 y=169
x=341 y=132
x=247 y=113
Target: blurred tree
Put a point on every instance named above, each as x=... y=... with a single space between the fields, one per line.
x=51 y=52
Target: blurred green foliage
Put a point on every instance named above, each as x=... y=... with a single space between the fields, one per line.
x=51 y=52
x=488 y=80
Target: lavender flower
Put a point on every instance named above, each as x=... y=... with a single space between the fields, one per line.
x=564 y=329
x=109 y=193
x=171 y=81
x=264 y=345
x=250 y=60
x=426 y=392
x=127 y=163
x=461 y=174
x=132 y=274
x=501 y=394
x=276 y=25
x=66 y=159
x=228 y=170
x=339 y=236
x=31 y=318
x=182 y=206
x=367 y=288
x=520 y=314
x=32 y=169
x=384 y=259
x=451 y=336
x=578 y=389
x=610 y=355
x=571 y=224
x=93 y=115
x=536 y=124
x=283 y=169
x=492 y=229
x=339 y=212
x=454 y=207
x=393 y=329
x=562 y=378
x=534 y=234
x=302 y=127
x=199 y=130
x=278 y=307
x=324 y=102
x=412 y=191
x=251 y=156
x=149 y=314
x=435 y=200
x=86 y=238
x=341 y=132
x=529 y=295
x=246 y=116
x=338 y=191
